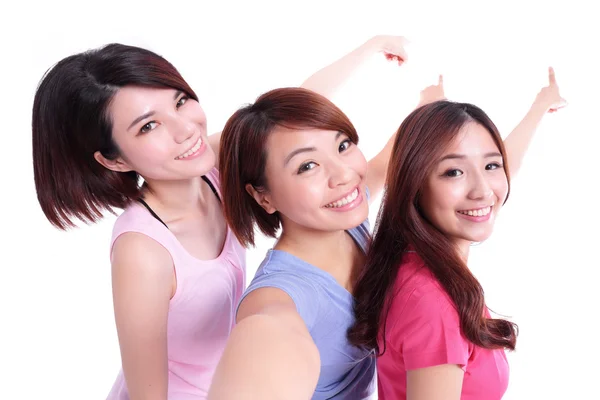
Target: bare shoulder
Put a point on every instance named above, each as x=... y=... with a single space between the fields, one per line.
x=135 y=254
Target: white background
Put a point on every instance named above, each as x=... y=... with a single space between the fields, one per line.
x=58 y=337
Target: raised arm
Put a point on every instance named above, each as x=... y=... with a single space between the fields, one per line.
x=270 y=353
x=328 y=79
x=377 y=167
x=142 y=274
x=517 y=142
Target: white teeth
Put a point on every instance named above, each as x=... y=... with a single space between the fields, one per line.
x=190 y=151
x=348 y=199
x=477 y=213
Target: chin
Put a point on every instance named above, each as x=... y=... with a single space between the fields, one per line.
x=355 y=220
x=204 y=166
x=479 y=238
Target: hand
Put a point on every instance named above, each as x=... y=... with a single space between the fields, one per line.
x=549 y=97
x=393 y=47
x=433 y=93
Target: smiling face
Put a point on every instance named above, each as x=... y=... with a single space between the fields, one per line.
x=467 y=187
x=160 y=133
x=315 y=179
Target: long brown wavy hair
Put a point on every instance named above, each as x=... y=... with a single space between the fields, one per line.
x=421 y=140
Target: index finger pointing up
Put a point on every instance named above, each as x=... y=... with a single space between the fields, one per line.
x=551 y=76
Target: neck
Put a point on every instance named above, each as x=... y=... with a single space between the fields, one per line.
x=464 y=246
x=325 y=250
x=175 y=198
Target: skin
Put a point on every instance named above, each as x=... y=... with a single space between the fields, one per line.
x=469 y=176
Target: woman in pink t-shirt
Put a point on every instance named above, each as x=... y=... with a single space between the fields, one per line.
x=417 y=303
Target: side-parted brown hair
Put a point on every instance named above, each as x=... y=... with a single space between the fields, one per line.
x=70 y=122
x=243 y=153
x=421 y=140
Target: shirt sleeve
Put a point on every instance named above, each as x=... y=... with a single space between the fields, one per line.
x=432 y=333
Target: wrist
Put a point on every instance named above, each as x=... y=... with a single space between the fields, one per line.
x=374 y=44
x=538 y=109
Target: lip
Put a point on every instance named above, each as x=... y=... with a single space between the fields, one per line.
x=196 y=153
x=350 y=206
x=476 y=218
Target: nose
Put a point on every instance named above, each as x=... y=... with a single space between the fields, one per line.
x=340 y=173
x=480 y=188
x=183 y=130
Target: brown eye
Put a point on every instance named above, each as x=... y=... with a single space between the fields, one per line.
x=148 y=127
x=453 y=173
x=182 y=100
x=345 y=145
x=306 y=167
x=492 y=166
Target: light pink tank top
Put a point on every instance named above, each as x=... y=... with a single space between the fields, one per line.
x=202 y=311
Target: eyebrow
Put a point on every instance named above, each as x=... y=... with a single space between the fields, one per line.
x=305 y=150
x=141 y=118
x=150 y=113
x=462 y=156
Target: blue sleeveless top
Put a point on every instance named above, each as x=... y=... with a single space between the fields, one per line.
x=347 y=372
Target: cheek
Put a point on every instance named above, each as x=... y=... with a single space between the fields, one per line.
x=358 y=162
x=500 y=188
x=152 y=149
x=195 y=112
x=293 y=196
x=145 y=152
x=298 y=195
x=441 y=198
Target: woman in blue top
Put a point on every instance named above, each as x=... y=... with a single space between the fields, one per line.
x=290 y=161
x=301 y=281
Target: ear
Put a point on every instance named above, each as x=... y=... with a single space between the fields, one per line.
x=262 y=198
x=117 y=165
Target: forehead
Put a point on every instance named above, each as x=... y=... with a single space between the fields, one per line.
x=286 y=139
x=473 y=140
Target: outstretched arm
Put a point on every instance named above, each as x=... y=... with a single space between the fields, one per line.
x=377 y=169
x=517 y=142
x=328 y=79
x=270 y=353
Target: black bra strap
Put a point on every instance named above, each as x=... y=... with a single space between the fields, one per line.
x=152 y=212
x=211 y=187
x=160 y=220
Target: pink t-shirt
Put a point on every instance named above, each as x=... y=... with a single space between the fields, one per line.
x=202 y=311
x=423 y=330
